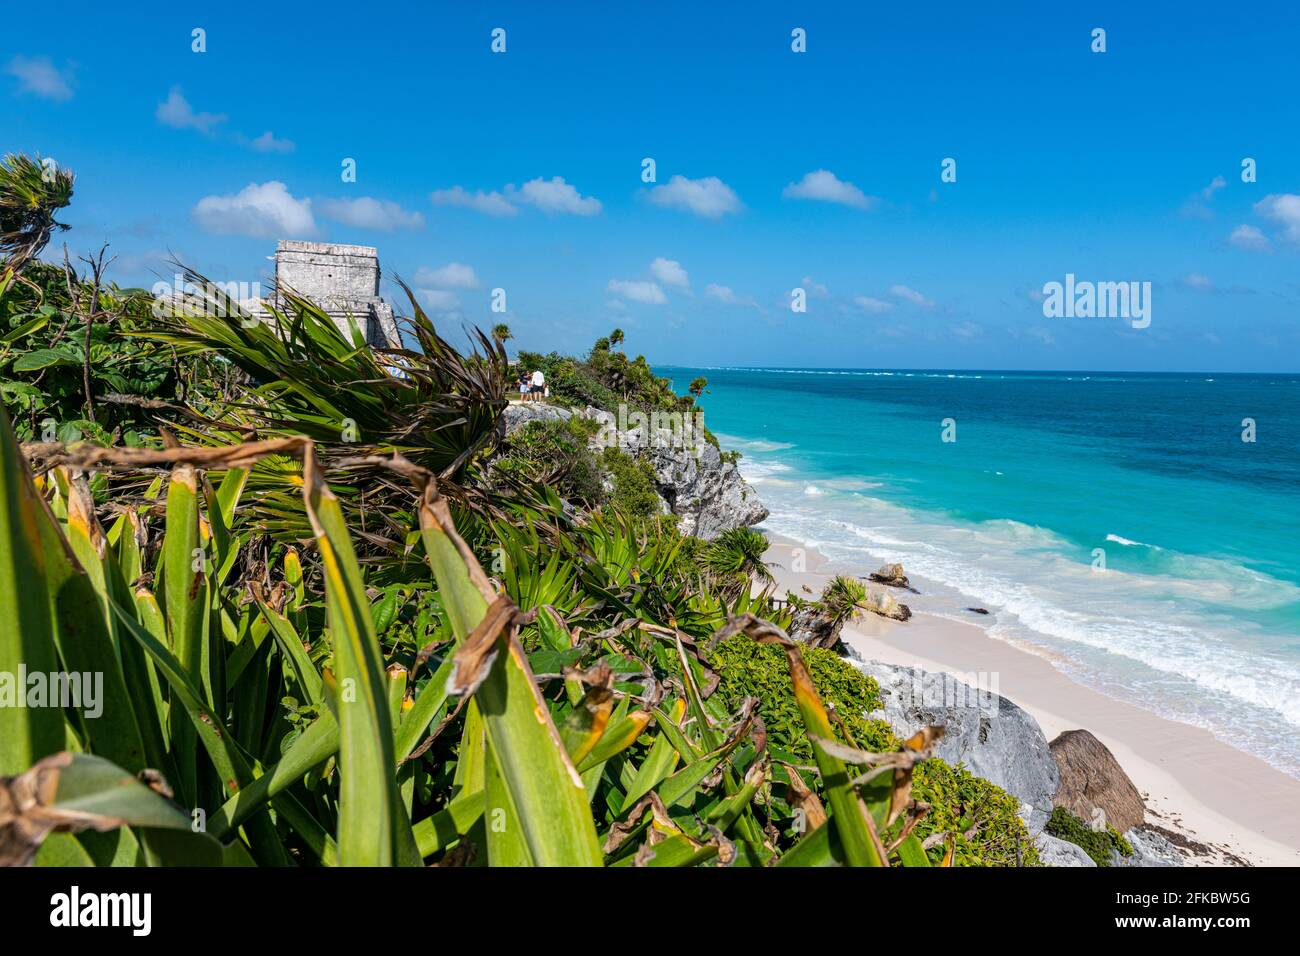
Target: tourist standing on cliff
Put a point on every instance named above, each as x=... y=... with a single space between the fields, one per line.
x=539 y=385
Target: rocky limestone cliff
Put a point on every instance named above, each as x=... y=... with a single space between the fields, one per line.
x=988 y=734
x=996 y=740
x=706 y=493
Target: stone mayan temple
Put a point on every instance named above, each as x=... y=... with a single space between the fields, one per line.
x=342 y=280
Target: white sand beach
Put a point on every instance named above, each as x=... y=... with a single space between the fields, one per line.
x=1239 y=807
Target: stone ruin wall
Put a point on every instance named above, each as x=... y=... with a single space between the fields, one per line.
x=343 y=280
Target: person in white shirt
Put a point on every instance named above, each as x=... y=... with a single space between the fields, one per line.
x=539 y=385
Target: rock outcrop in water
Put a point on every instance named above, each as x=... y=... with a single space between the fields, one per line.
x=708 y=494
x=893 y=576
x=878 y=602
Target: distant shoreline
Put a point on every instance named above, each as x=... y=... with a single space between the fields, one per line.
x=1192 y=782
x=1154 y=373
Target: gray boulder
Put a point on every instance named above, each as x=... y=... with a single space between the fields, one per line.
x=1149 y=849
x=879 y=602
x=986 y=733
x=1056 y=852
x=515 y=417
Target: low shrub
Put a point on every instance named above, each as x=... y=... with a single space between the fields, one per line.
x=555 y=451
x=634 y=483
x=960 y=802
x=1098 y=844
x=748 y=669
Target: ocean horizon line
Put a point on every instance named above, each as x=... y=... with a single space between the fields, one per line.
x=974 y=371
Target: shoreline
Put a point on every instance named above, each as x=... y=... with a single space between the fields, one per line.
x=1237 y=805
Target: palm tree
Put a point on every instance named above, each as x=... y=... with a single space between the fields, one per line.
x=30 y=192
x=842 y=600
x=501 y=332
x=697 y=386
x=735 y=559
x=615 y=338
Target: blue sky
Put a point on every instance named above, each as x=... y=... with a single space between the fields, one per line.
x=775 y=169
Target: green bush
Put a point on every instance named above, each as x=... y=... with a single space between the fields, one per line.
x=555 y=451
x=748 y=669
x=960 y=802
x=634 y=483
x=1098 y=844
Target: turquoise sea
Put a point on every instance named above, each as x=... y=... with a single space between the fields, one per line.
x=1196 y=614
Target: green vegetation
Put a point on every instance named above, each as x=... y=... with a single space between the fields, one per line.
x=634 y=483
x=1098 y=844
x=555 y=453
x=749 y=670
x=341 y=620
x=735 y=560
x=114 y=390
x=983 y=819
x=842 y=599
x=32 y=190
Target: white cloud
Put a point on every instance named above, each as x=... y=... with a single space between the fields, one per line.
x=177 y=113
x=1283 y=208
x=438 y=299
x=40 y=77
x=492 y=204
x=872 y=306
x=825 y=186
x=366 y=212
x=814 y=288
x=910 y=295
x=267 y=143
x=967 y=330
x=638 y=290
x=727 y=296
x=709 y=197
x=670 y=273
x=266 y=211
x=1249 y=237
x=1201 y=283
x=554 y=195
x=453 y=275
x=1197 y=206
